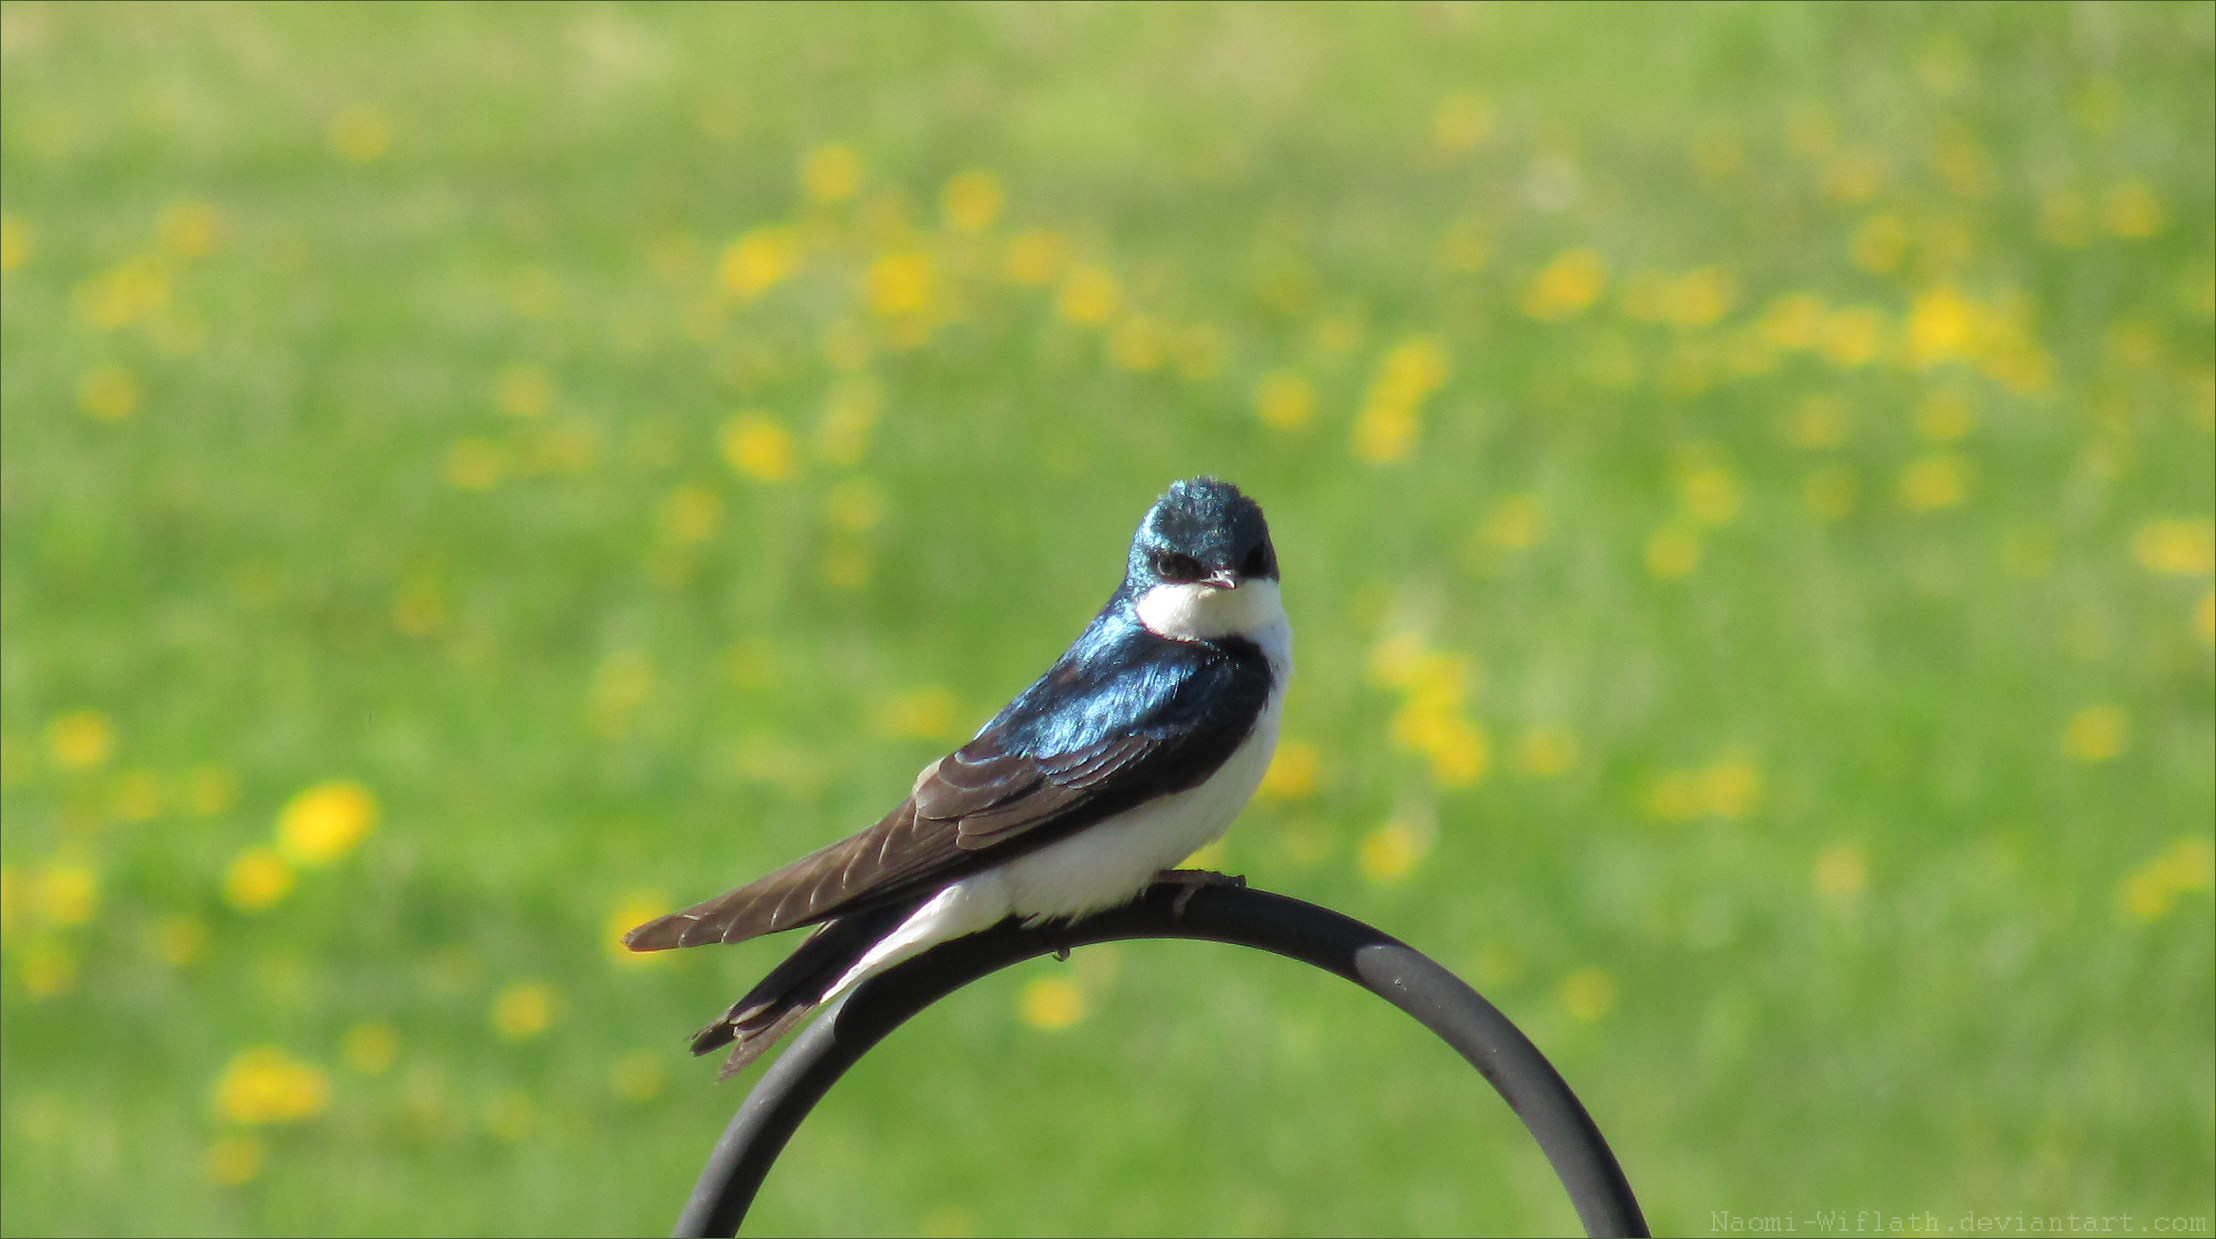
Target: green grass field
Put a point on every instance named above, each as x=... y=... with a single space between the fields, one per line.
x=475 y=477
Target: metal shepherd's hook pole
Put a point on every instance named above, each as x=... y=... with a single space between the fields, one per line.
x=1384 y=965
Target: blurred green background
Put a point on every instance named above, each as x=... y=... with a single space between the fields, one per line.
x=476 y=476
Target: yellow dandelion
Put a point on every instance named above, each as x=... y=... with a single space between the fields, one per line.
x=80 y=740
x=1588 y=994
x=369 y=1048
x=760 y=259
x=831 y=173
x=1390 y=853
x=1285 y=401
x=522 y=391
x=971 y=200
x=927 y=713
x=1035 y=257
x=1460 y=120
x=1852 y=337
x=901 y=283
x=359 y=133
x=1942 y=325
x=635 y=909
x=1673 y=551
x=1672 y=796
x=1135 y=343
x=65 y=893
x=1699 y=298
x=2131 y=210
x=1496 y=964
x=759 y=447
x=15 y=242
x=475 y=464
x=48 y=968
x=2204 y=618
x=2097 y=733
x=639 y=1076
x=108 y=393
x=1514 y=522
x=1731 y=787
x=257 y=878
x=233 y=1158
x=2176 y=546
x=2150 y=892
x=266 y=1085
x=690 y=513
x=1930 y=483
x=523 y=1010
x=1830 y=493
x=1711 y=494
x=1295 y=772
x=325 y=822
x=1566 y=286
x=1546 y=751
x=1088 y=295
x=1052 y=1003
x=1794 y=321
x=187 y=228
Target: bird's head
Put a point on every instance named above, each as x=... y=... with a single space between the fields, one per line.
x=1202 y=565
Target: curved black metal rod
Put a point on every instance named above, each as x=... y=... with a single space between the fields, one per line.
x=1384 y=965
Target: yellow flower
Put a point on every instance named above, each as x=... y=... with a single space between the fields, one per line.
x=1035 y=257
x=918 y=714
x=1852 y=337
x=831 y=173
x=475 y=464
x=360 y=133
x=1406 y=376
x=1699 y=298
x=325 y=822
x=1711 y=494
x=1294 y=774
x=971 y=200
x=1940 y=480
x=15 y=242
x=1672 y=796
x=65 y=893
x=523 y=391
x=48 y=968
x=759 y=447
x=2131 y=210
x=108 y=393
x=266 y=1085
x=80 y=740
x=1569 y=284
x=1052 y=1003
x=1942 y=325
x=639 y=1076
x=2150 y=892
x=1732 y=787
x=257 y=878
x=690 y=513
x=1088 y=295
x=850 y=412
x=1284 y=400
x=2176 y=546
x=760 y=259
x=2097 y=733
x=523 y=1010
x=1794 y=321
x=1673 y=551
x=901 y=283
x=188 y=228
x=1588 y=994
x=1389 y=853
x=1135 y=343
x=637 y=908
x=2204 y=617
x=1460 y=120
x=1514 y=522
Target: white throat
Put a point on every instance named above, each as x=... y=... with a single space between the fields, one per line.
x=1191 y=612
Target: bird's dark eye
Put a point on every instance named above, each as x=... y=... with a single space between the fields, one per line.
x=1257 y=562
x=1176 y=567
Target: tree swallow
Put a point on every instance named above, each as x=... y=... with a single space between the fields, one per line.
x=1134 y=750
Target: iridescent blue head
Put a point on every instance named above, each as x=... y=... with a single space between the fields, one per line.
x=1203 y=532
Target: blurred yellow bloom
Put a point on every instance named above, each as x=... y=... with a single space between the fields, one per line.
x=108 y=393
x=2097 y=733
x=523 y=1010
x=759 y=447
x=1546 y=751
x=901 y=283
x=1794 y=321
x=760 y=259
x=971 y=200
x=1930 y=483
x=522 y=391
x=1295 y=772
x=1942 y=325
x=1732 y=787
x=1711 y=494
x=1829 y=493
x=256 y=878
x=2130 y=209
x=188 y=228
x=831 y=173
x=2204 y=618
x=474 y=464
x=370 y=1048
x=234 y=1158
x=80 y=740
x=1052 y=1003
x=918 y=714
x=123 y=294
x=1588 y=994
x=1284 y=400
x=47 y=968
x=1390 y=853
x=266 y=1085
x=325 y=822
x=2176 y=546
x=639 y=1076
x=1135 y=343
x=65 y=893
x=1514 y=522
x=1089 y=294
x=636 y=909
x=690 y=513
x=1035 y=257
x=1699 y=298
x=1852 y=337
x=1673 y=551
x=1460 y=120
x=2150 y=892
x=360 y=132
x=1407 y=374
x=15 y=242
x=1569 y=284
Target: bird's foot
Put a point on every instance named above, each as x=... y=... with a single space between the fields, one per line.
x=1192 y=881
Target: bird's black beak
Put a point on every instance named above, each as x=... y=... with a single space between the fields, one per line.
x=1221 y=578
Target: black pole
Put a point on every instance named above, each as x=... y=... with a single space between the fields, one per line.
x=1384 y=965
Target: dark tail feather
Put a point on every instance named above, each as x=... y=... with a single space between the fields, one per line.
x=794 y=988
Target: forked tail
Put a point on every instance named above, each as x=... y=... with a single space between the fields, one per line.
x=796 y=987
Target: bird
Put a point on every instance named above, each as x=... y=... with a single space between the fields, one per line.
x=1133 y=751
